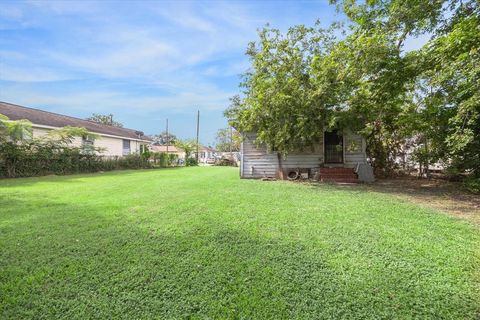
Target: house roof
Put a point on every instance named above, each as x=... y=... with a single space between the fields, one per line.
x=155 y=148
x=45 y=118
x=208 y=149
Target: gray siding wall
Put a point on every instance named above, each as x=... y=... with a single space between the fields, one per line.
x=355 y=148
x=257 y=162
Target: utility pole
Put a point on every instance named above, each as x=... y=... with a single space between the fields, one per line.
x=198 y=128
x=231 y=140
x=168 y=140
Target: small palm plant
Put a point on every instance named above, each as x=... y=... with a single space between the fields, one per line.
x=14 y=131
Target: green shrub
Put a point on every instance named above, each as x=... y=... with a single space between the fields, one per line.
x=172 y=159
x=191 y=162
x=162 y=159
x=472 y=184
x=37 y=158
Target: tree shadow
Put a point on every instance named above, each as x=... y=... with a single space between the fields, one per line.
x=77 y=177
x=438 y=194
x=80 y=261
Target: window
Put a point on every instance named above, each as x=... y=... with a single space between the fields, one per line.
x=88 y=141
x=126 y=147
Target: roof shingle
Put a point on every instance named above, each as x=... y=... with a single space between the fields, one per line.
x=40 y=117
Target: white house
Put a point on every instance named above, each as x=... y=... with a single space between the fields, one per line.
x=340 y=155
x=170 y=149
x=113 y=140
x=205 y=153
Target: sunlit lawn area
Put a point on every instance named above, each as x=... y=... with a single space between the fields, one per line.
x=201 y=243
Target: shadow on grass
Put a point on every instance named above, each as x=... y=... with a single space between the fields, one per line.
x=76 y=261
x=441 y=195
x=76 y=177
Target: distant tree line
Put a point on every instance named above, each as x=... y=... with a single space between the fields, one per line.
x=104 y=119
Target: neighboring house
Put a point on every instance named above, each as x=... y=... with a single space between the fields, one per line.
x=339 y=156
x=205 y=153
x=171 y=149
x=115 y=141
x=234 y=156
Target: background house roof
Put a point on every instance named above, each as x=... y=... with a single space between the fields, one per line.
x=164 y=149
x=40 y=117
x=207 y=149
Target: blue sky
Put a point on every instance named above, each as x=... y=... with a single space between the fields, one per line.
x=142 y=61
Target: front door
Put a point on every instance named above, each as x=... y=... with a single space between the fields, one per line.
x=333 y=141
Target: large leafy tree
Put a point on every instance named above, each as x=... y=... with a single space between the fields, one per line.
x=228 y=139
x=163 y=138
x=306 y=80
x=439 y=81
x=279 y=101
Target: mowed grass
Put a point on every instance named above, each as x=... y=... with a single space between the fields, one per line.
x=201 y=243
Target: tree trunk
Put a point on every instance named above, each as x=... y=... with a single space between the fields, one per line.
x=280 y=166
x=427 y=172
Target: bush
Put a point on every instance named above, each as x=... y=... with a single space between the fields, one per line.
x=160 y=159
x=164 y=160
x=472 y=184
x=191 y=162
x=37 y=158
x=172 y=159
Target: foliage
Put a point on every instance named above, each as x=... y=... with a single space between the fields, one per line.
x=55 y=153
x=188 y=146
x=307 y=80
x=228 y=139
x=163 y=159
x=280 y=103
x=14 y=130
x=104 y=119
x=200 y=243
x=472 y=183
x=163 y=139
x=190 y=162
x=172 y=159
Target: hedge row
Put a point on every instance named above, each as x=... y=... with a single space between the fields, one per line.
x=28 y=160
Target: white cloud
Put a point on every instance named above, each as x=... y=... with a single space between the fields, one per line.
x=36 y=74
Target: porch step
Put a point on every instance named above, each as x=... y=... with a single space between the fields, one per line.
x=337 y=170
x=340 y=180
x=342 y=175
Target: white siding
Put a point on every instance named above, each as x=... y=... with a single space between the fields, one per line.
x=112 y=146
x=40 y=132
x=258 y=162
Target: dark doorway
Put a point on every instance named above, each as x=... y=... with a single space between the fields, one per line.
x=333 y=147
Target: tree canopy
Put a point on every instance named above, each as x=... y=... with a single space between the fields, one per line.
x=362 y=75
x=104 y=119
x=164 y=139
x=228 y=139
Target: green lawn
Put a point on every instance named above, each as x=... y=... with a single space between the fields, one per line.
x=201 y=243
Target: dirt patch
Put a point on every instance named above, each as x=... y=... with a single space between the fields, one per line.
x=439 y=194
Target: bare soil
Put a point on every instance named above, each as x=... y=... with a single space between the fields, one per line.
x=445 y=196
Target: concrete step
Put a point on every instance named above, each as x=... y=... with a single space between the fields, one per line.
x=336 y=170
x=340 y=180
x=339 y=175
